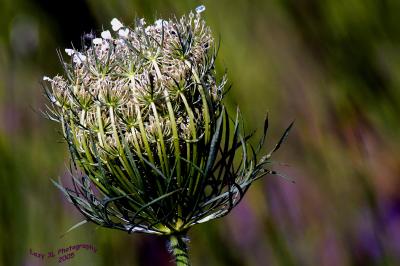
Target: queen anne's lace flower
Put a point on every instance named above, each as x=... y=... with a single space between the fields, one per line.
x=141 y=110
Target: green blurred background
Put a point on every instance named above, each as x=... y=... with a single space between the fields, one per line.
x=332 y=65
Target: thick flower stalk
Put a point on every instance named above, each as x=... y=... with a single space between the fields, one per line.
x=141 y=110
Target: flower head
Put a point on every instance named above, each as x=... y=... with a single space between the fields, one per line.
x=141 y=110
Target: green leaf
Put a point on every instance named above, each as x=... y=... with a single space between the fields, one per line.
x=74 y=227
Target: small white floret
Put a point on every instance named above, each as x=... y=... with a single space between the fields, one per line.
x=82 y=57
x=159 y=22
x=79 y=58
x=105 y=46
x=97 y=41
x=106 y=35
x=142 y=22
x=45 y=78
x=200 y=9
x=69 y=51
x=116 y=24
x=123 y=33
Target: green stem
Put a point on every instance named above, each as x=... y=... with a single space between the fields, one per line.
x=179 y=250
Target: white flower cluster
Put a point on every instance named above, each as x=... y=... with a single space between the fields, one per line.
x=147 y=82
